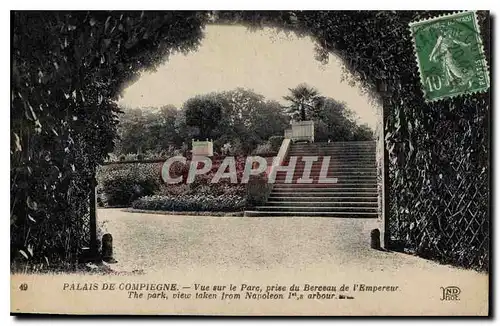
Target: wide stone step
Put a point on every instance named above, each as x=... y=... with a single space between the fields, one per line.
x=330 y=169
x=315 y=209
x=333 y=145
x=316 y=184
x=365 y=171
x=333 y=160
x=315 y=176
x=332 y=156
x=339 y=184
x=324 y=192
x=311 y=214
x=316 y=199
x=330 y=166
x=346 y=169
x=333 y=163
x=336 y=174
x=336 y=149
x=348 y=151
x=327 y=188
x=343 y=151
x=299 y=199
x=301 y=169
x=331 y=153
x=322 y=203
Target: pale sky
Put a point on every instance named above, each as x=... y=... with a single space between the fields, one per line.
x=232 y=56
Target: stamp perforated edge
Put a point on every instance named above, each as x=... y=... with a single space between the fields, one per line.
x=481 y=50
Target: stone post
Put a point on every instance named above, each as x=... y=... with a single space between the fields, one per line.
x=93 y=218
x=107 y=248
x=375 y=239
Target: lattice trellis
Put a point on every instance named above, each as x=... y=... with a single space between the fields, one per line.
x=81 y=230
x=445 y=216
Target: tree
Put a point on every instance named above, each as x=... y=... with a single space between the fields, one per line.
x=238 y=116
x=131 y=132
x=249 y=117
x=335 y=121
x=147 y=129
x=163 y=130
x=305 y=102
x=363 y=132
x=203 y=112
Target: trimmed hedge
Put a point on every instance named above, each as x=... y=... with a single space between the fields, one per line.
x=257 y=190
x=198 y=203
x=121 y=185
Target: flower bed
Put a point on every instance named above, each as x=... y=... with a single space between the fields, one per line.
x=193 y=203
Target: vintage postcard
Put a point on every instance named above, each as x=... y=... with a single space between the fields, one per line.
x=250 y=163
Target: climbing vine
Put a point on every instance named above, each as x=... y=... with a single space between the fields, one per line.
x=69 y=67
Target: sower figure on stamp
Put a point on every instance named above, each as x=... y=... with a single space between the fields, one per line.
x=454 y=75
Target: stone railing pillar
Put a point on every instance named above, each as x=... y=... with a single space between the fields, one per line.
x=202 y=147
x=301 y=131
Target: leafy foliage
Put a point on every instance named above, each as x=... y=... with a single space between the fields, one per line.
x=67 y=70
x=150 y=130
x=264 y=150
x=305 y=102
x=68 y=67
x=258 y=190
x=237 y=121
x=246 y=120
x=275 y=142
x=197 y=203
x=203 y=112
x=335 y=122
x=122 y=184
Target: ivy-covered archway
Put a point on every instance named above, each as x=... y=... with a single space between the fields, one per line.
x=69 y=67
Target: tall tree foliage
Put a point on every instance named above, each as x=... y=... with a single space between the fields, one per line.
x=335 y=121
x=249 y=119
x=238 y=116
x=148 y=129
x=305 y=102
x=203 y=112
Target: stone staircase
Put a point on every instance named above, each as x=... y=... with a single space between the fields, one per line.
x=354 y=195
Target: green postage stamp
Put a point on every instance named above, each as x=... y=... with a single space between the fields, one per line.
x=450 y=56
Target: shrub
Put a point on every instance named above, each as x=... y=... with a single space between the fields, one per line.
x=257 y=190
x=236 y=190
x=198 y=202
x=174 y=189
x=121 y=185
x=275 y=142
x=179 y=169
x=264 y=150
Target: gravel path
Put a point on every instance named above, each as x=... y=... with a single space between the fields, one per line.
x=282 y=251
x=153 y=242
